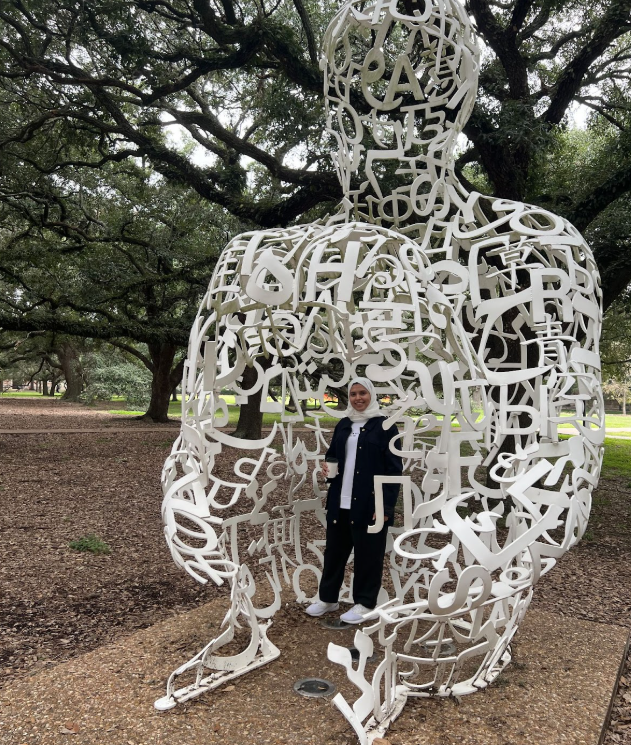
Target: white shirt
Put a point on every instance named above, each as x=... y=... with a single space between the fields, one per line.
x=349 y=465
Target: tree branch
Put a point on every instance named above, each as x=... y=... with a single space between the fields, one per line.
x=504 y=44
x=557 y=46
x=306 y=24
x=133 y=351
x=520 y=13
x=591 y=103
x=614 y=23
x=44 y=321
x=211 y=123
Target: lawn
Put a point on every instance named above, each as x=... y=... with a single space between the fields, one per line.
x=617 y=460
x=26 y=394
x=612 y=421
x=175 y=411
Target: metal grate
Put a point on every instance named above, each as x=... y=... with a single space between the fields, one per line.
x=314 y=687
x=355 y=655
x=335 y=624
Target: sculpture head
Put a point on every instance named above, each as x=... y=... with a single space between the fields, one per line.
x=400 y=83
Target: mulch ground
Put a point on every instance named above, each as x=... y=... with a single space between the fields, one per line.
x=57 y=603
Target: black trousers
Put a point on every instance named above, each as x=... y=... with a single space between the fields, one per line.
x=370 y=549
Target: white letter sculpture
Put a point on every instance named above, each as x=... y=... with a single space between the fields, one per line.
x=478 y=319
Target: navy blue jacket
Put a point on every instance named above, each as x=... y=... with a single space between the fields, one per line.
x=373 y=459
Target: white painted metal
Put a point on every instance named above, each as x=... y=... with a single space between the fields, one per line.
x=477 y=318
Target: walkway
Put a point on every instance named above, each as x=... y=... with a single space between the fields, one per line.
x=556 y=692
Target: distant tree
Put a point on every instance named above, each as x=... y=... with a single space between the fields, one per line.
x=111 y=376
x=31 y=358
x=618 y=390
x=66 y=354
x=597 y=153
x=114 y=255
x=616 y=351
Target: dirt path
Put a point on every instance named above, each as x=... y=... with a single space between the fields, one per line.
x=56 y=603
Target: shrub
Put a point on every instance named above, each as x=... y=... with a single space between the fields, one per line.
x=123 y=379
x=91 y=543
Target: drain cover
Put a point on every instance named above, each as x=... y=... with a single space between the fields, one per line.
x=314 y=687
x=334 y=623
x=355 y=655
x=446 y=649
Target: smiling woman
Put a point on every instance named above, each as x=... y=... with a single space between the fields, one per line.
x=361 y=447
x=359 y=397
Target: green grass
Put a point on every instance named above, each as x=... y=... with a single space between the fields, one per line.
x=617 y=461
x=175 y=411
x=612 y=421
x=269 y=419
x=91 y=543
x=617 y=420
x=27 y=394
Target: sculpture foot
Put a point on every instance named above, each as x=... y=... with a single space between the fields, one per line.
x=214 y=680
x=259 y=652
x=165 y=703
x=375 y=729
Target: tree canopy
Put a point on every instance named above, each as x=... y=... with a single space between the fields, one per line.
x=112 y=254
x=137 y=136
x=243 y=80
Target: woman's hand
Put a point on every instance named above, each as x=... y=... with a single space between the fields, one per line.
x=324 y=467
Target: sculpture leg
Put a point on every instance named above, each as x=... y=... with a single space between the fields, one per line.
x=206 y=546
x=385 y=708
x=211 y=670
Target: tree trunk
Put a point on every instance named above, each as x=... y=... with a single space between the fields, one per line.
x=164 y=380
x=624 y=402
x=250 y=415
x=49 y=385
x=70 y=364
x=342 y=397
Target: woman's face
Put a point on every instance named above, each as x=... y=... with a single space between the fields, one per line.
x=359 y=397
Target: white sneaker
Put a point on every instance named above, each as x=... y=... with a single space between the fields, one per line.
x=355 y=614
x=319 y=608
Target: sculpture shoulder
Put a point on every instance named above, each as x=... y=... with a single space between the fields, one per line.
x=280 y=238
x=487 y=217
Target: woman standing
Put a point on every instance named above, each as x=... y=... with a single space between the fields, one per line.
x=362 y=448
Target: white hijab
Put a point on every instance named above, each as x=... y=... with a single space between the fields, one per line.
x=373 y=407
